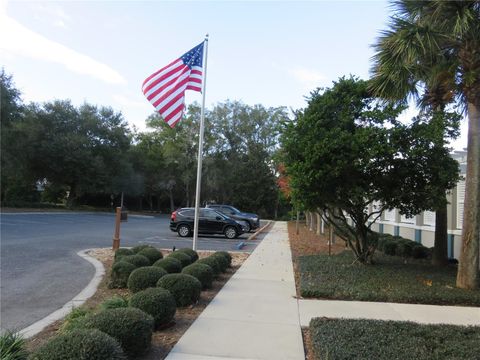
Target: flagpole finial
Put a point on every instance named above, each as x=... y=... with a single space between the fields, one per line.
x=206 y=37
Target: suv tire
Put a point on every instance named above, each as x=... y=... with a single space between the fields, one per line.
x=230 y=232
x=183 y=230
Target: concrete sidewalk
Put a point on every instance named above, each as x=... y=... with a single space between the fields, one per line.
x=256 y=314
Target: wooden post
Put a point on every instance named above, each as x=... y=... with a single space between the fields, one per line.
x=116 y=236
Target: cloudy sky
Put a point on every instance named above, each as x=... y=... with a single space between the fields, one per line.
x=270 y=53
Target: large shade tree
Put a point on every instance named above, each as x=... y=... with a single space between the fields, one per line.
x=346 y=151
x=451 y=31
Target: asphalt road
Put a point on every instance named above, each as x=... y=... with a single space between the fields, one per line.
x=40 y=270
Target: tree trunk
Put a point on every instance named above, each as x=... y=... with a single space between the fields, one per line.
x=297 y=226
x=172 y=204
x=307 y=219
x=72 y=195
x=319 y=221
x=440 y=249
x=468 y=267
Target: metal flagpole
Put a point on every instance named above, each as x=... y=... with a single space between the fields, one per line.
x=200 y=151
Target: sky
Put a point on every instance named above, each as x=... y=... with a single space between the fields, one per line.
x=272 y=53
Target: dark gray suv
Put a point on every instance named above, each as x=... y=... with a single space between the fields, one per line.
x=253 y=220
x=209 y=222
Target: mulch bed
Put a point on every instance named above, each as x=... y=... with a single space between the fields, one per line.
x=164 y=340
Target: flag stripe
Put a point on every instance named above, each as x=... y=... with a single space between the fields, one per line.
x=165 y=88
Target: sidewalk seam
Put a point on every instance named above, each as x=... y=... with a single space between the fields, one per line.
x=78 y=300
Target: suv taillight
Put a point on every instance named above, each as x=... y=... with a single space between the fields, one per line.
x=174 y=216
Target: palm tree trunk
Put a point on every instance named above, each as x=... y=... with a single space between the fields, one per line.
x=440 y=250
x=468 y=268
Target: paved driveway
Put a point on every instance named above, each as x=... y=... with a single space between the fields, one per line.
x=40 y=270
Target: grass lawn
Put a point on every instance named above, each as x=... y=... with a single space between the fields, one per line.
x=390 y=279
x=389 y=340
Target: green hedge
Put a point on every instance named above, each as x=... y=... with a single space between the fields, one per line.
x=399 y=246
x=212 y=262
x=190 y=252
x=123 y=252
x=144 y=277
x=157 y=302
x=131 y=327
x=151 y=254
x=137 y=260
x=138 y=248
x=184 y=288
x=182 y=257
x=169 y=264
x=81 y=344
x=222 y=261
x=388 y=340
x=226 y=255
x=113 y=303
x=120 y=272
x=202 y=272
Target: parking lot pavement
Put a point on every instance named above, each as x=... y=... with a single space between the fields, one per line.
x=40 y=270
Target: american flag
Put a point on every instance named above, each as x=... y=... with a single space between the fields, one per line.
x=165 y=89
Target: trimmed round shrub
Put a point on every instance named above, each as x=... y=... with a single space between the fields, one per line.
x=404 y=248
x=190 y=252
x=420 y=252
x=137 y=260
x=120 y=272
x=138 y=248
x=131 y=327
x=81 y=344
x=157 y=302
x=184 y=288
x=389 y=247
x=169 y=264
x=114 y=303
x=222 y=261
x=226 y=255
x=184 y=259
x=144 y=277
x=151 y=254
x=123 y=252
x=212 y=262
x=202 y=272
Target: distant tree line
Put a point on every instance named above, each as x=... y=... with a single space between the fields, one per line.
x=87 y=155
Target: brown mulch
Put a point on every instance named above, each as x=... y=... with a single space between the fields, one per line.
x=163 y=340
x=307 y=242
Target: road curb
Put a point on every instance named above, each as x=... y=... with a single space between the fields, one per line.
x=254 y=235
x=78 y=300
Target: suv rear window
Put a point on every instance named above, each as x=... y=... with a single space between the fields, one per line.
x=187 y=213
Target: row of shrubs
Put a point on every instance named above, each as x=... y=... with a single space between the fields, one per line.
x=399 y=246
x=122 y=328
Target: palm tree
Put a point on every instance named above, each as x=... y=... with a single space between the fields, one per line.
x=401 y=69
x=449 y=30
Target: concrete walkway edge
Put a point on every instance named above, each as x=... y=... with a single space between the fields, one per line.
x=78 y=300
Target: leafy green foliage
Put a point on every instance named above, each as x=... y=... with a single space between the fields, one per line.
x=212 y=262
x=222 y=261
x=391 y=279
x=114 y=302
x=347 y=151
x=144 y=277
x=190 y=252
x=169 y=264
x=81 y=344
x=184 y=288
x=184 y=259
x=75 y=319
x=122 y=252
x=12 y=346
x=386 y=340
x=151 y=254
x=121 y=270
x=131 y=327
x=157 y=302
x=138 y=248
x=226 y=255
x=137 y=260
x=202 y=272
